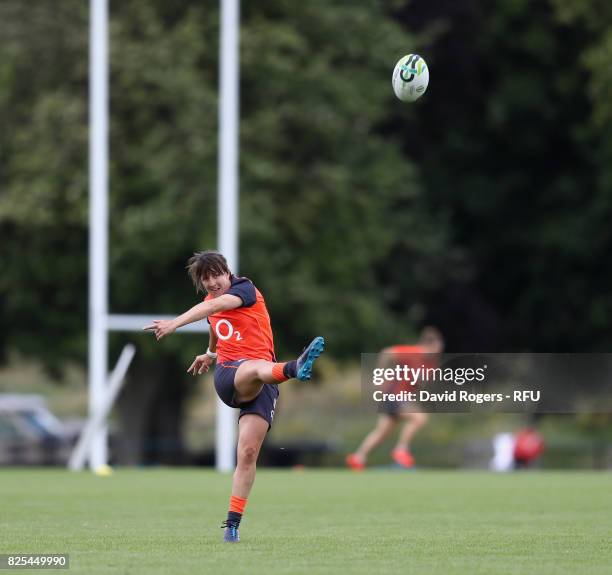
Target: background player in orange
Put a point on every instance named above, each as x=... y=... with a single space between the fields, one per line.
x=430 y=345
x=247 y=373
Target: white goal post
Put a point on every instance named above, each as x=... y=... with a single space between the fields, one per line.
x=100 y=321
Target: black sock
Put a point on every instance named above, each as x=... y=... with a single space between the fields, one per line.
x=290 y=369
x=234 y=517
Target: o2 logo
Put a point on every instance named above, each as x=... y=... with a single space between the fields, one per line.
x=227 y=331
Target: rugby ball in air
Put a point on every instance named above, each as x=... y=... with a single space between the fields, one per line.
x=410 y=78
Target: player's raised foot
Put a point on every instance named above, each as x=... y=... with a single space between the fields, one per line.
x=309 y=355
x=355 y=462
x=403 y=458
x=231 y=533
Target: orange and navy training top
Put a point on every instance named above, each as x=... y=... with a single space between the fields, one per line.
x=244 y=332
x=413 y=356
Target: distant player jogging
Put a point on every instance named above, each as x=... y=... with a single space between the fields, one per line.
x=425 y=353
x=247 y=373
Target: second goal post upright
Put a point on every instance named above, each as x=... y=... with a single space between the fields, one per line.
x=100 y=321
x=98 y=223
x=227 y=216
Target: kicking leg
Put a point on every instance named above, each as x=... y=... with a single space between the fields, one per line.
x=252 y=374
x=252 y=431
x=250 y=378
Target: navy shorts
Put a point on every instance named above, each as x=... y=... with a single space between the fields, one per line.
x=390 y=408
x=263 y=405
x=396 y=409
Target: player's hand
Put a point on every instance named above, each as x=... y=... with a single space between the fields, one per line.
x=161 y=327
x=200 y=365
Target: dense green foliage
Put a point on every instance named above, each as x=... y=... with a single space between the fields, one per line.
x=325 y=194
x=519 y=161
x=483 y=208
x=500 y=232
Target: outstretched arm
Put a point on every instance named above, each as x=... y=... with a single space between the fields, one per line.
x=163 y=327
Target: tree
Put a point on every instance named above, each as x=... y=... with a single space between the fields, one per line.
x=326 y=193
x=509 y=155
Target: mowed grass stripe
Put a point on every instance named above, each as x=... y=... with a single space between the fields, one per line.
x=167 y=521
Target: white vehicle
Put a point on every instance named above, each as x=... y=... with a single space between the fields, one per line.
x=30 y=434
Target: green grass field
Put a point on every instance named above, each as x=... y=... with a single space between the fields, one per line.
x=167 y=521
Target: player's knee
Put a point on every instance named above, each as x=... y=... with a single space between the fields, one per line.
x=421 y=418
x=247 y=454
x=261 y=371
x=385 y=426
x=252 y=371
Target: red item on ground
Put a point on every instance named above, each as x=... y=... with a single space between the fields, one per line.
x=528 y=445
